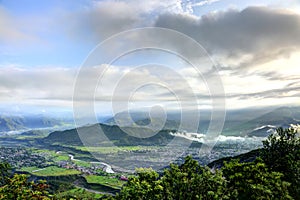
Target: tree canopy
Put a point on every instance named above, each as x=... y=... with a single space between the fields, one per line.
x=281 y=153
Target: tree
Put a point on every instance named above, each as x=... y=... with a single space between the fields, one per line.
x=5 y=173
x=143 y=186
x=281 y=153
x=192 y=181
x=253 y=180
x=78 y=194
x=189 y=181
x=18 y=187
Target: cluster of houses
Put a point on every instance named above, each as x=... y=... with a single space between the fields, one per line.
x=21 y=157
x=92 y=170
x=70 y=165
x=95 y=168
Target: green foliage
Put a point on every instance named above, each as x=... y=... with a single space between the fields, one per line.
x=189 y=181
x=143 y=186
x=281 y=153
x=51 y=171
x=192 y=181
x=5 y=172
x=105 y=180
x=78 y=194
x=18 y=187
x=253 y=180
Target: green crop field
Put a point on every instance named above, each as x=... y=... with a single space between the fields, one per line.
x=105 y=180
x=60 y=157
x=82 y=163
x=50 y=171
x=29 y=169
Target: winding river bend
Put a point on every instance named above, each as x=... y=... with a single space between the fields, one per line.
x=107 y=169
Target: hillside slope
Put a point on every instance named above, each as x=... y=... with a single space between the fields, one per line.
x=112 y=133
x=13 y=123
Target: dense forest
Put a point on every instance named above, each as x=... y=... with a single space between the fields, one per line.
x=273 y=174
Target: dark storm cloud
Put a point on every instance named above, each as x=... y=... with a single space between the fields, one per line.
x=101 y=20
x=260 y=32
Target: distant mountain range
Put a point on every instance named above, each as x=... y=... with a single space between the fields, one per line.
x=142 y=119
x=259 y=123
x=15 y=123
x=265 y=124
x=260 y=126
x=251 y=122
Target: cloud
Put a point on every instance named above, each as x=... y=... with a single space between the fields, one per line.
x=260 y=33
x=271 y=94
x=204 y=2
x=244 y=41
x=118 y=83
x=143 y=86
x=102 y=19
x=18 y=84
x=239 y=38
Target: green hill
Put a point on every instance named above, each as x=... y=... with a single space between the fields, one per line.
x=119 y=136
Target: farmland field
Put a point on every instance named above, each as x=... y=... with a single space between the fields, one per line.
x=50 y=171
x=105 y=180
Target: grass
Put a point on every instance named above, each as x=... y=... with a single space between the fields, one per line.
x=78 y=193
x=50 y=171
x=29 y=169
x=105 y=180
x=60 y=158
x=53 y=155
x=82 y=163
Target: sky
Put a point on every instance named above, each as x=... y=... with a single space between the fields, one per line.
x=250 y=54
